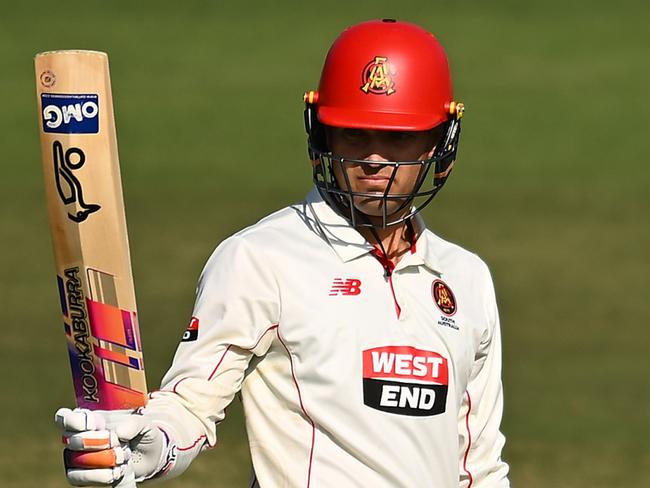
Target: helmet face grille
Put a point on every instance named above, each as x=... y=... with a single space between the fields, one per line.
x=432 y=176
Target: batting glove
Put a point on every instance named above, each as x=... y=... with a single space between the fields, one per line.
x=102 y=447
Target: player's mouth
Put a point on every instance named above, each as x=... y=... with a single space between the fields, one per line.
x=374 y=183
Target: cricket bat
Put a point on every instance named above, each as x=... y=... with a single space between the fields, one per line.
x=88 y=227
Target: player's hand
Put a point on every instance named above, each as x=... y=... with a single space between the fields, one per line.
x=101 y=447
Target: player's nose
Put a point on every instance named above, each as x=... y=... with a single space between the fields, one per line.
x=376 y=159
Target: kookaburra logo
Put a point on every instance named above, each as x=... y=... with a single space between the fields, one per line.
x=377 y=77
x=67 y=184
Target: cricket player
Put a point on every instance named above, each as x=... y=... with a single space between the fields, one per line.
x=366 y=349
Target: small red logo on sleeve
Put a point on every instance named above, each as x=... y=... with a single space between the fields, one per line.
x=192 y=331
x=443 y=297
x=347 y=287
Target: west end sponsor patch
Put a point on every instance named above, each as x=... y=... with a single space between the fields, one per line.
x=443 y=297
x=70 y=113
x=192 y=331
x=404 y=380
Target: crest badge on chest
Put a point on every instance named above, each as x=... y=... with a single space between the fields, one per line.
x=443 y=297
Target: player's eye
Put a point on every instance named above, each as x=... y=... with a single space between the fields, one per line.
x=354 y=135
x=401 y=136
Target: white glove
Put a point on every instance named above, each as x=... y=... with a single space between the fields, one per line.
x=101 y=446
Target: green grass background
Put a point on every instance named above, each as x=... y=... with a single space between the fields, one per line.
x=551 y=188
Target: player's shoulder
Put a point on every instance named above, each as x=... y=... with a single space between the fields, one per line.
x=278 y=230
x=281 y=225
x=450 y=254
x=250 y=247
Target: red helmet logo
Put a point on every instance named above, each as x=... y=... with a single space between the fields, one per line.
x=377 y=77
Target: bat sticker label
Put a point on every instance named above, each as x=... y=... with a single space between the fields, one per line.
x=70 y=114
x=48 y=79
x=67 y=184
x=83 y=364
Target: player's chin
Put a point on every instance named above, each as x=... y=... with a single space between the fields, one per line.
x=377 y=207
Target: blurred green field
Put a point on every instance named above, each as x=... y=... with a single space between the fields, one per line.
x=551 y=189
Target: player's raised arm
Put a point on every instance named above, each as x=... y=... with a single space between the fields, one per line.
x=236 y=311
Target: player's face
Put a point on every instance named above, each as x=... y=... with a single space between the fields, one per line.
x=372 y=177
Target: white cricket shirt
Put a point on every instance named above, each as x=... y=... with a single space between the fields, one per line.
x=349 y=377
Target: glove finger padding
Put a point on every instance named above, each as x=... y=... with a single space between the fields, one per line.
x=90 y=440
x=95 y=477
x=107 y=458
x=79 y=420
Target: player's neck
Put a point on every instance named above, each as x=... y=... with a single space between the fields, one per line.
x=395 y=240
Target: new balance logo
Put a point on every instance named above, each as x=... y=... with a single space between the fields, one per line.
x=349 y=286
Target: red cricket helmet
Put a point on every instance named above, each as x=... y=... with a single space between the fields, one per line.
x=383 y=75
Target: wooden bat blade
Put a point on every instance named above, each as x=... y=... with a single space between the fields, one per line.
x=88 y=227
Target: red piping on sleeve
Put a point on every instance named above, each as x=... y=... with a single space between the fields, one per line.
x=203 y=436
x=218 y=364
x=302 y=407
x=274 y=326
x=469 y=439
x=214 y=371
x=178 y=383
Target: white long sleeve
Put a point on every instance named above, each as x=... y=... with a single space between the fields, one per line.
x=231 y=316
